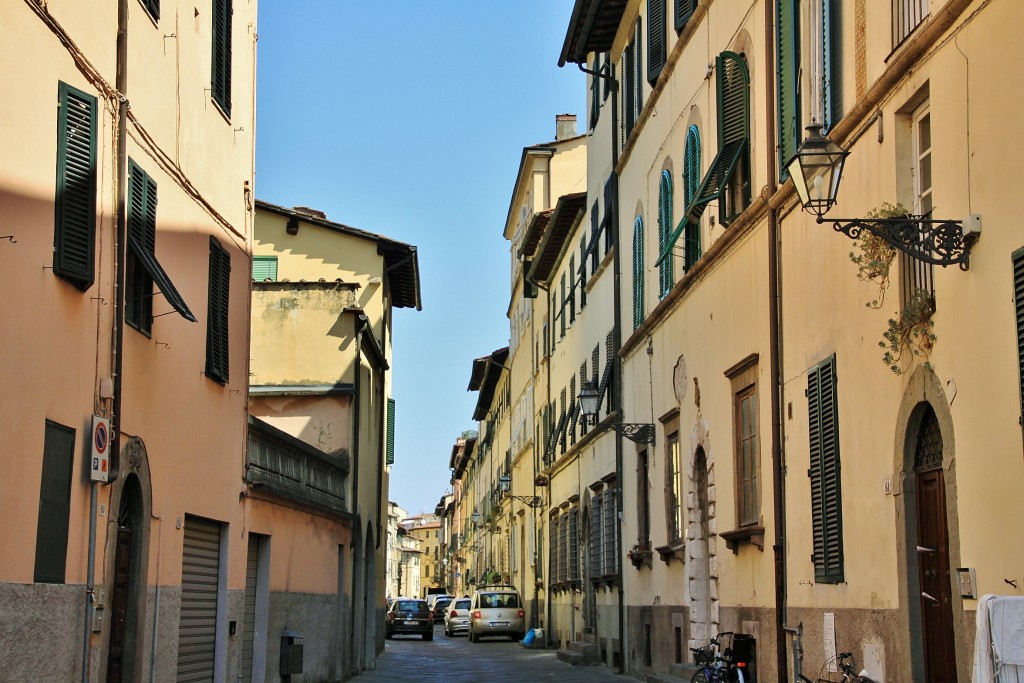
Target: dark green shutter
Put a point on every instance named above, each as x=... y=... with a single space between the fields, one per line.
x=142 y=200
x=595 y=229
x=788 y=72
x=1018 y=297
x=733 y=84
x=389 y=453
x=824 y=472
x=54 y=503
x=74 y=236
x=221 y=66
x=629 y=96
x=610 y=186
x=691 y=182
x=264 y=268
x=638 y=272
x=832 y=61
x=572 y=288
x=638 y=66
x=583 y=272
x=153 y=7
x=664 y=231
x=684 y=10
x=595 y=92
x=217 y=315
x=656 y=41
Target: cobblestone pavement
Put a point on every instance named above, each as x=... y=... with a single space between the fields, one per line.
x=456 y=660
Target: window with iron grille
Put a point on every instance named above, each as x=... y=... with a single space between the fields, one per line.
x=553 y=557
x=573 y=544
x=610 y=531
x=217 y=313
x=906 y=16
x=657 y=39
x=563 y=548
x=596 y=547
x=824 y=472
x=638 y=272
x=220 y=78
x=74 y=236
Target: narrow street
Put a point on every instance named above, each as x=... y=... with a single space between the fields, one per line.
x=451 y=660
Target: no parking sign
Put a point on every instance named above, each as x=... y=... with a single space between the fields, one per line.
x=100 y=460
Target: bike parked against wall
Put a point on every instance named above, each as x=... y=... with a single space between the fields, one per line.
x=721 y=664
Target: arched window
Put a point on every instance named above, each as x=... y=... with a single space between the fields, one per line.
x=664 y=233
x=638 y=272
x=691 y=181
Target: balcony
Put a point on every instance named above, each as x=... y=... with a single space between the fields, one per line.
x=279 y=464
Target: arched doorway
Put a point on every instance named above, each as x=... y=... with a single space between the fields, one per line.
x=699 y=567
x=927 y=512
x=369 y=601
x=358 y=603
x=124 y=597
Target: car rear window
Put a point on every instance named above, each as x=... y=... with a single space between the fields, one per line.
x=411 y=606
x=499 y=600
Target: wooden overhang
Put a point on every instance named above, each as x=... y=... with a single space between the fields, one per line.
x=564 y=219
x=592 y=28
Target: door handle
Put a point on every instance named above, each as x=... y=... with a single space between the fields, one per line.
x=926 y=596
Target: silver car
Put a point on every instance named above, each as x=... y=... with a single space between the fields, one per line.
x=496 y=611
x=456 y=618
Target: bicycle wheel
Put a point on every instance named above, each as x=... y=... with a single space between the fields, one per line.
x=700 y=677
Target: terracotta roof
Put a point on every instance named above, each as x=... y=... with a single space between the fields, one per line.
x=592 y=28
x=534 y=231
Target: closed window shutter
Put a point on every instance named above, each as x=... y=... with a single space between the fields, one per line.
x=824 y=472
x=638 y=67
x=664 y=231
x=75 y=224
x=656 y=41
x=595 y=229
x=788 y=71
x=583 y=378
x=691 y=181
x=595 y=92
x=264 y=268
x=153 y=7
x=573 y=546
x=638 y=272
x=583 y=271
x=596 y=548
x=54 y=503
x=217 y=316
x=1018 y=295
x=832 y=61
x=142 y=199
x=221 y=67
x=684 y=10
x=610 y=529
x=389 y=457
x=609 y=211
x=732 y=80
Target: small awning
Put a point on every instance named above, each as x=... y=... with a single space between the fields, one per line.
x=712 y=188
x=162 y=280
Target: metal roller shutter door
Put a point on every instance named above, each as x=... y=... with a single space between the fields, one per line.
x=197 y=627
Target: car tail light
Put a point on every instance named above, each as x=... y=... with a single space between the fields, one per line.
x=476 y=614
x=521 y=614
x=453 y=613
x=430 y=617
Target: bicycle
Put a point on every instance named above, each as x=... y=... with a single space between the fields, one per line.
x=717 y=664
x=849 y=672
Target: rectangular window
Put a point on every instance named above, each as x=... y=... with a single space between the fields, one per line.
x=217 y=315
x=572 y=289
x=390 y=446
x=561 y=309
x=220 y=78
x=264 y=268
x=643 y=520
x=826 y=62
x=824 y=472
x=595 y=92
x=1018 y=297
x=657 y=31
x=74 y=235
x=917 y=278
x=673 y=483
x=610 y=529
x=142 y=237
x=743 y=377
x=573 y=536
x=54 y=503
x=906 y=15
x=583 y=272
x=596 y=550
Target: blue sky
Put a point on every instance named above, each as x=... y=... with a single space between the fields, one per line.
x=408 y=119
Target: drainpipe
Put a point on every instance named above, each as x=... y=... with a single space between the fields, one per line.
x=115 y=418
x=775 y=353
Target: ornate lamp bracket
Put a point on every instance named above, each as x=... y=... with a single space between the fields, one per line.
x=939 y=242
x=642 y=433
x=531 y=501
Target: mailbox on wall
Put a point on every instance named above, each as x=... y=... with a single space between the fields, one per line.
x=291 y=652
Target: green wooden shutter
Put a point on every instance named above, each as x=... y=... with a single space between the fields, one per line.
x=217 y=315
x=629 y=95
x=264 y=268
x=664 y=230
x=610 y=186
x=638 y=66
x=54 y=503
x=1018 y=295
x=733 y=84
x=221 y=66
x=824 y=472
x=572 y=288
x=142 y=200
x=153 y=7
x=389 y=453
x=638 y=272
x=788 y=74
x=691 y=182
x=595 y=92
x=74 y=237
x=684 y=10
x=832 y=61
x=595 y=229
x=656 y=41
x=583 y=271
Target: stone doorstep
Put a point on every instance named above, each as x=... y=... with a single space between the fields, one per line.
x=584 y=648
x=580 y=654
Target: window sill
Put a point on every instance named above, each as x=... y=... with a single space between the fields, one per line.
x=676 y=549
x=753 y=535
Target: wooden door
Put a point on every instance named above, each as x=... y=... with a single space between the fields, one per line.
x=119 y=605
x=936 y=592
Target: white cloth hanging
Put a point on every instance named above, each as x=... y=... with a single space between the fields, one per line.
x=999 y=642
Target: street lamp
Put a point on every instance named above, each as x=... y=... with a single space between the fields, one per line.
x=590 y=400
x=817 y=168
x=505 y=483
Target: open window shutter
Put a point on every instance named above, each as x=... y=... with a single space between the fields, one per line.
x=1018 y=295
x=609 y=211
x=655 y=39
x=826 y=490
x=684 y=10
x=664 y=230
x=691 y=181
x=832 y=61
x=638 y=272
x=221 y=67
x=75 y=225
x=390 y=448
x=583 y=271
x=788 y=72
x=595 y=566
x=733 y=82
x=217 y=315
x=638 y=67
x=595 y=92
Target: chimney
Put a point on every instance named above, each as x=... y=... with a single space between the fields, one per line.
x=565 y=126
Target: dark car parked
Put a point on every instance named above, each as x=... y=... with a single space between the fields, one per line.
x=441 y=606
x=409 y=617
